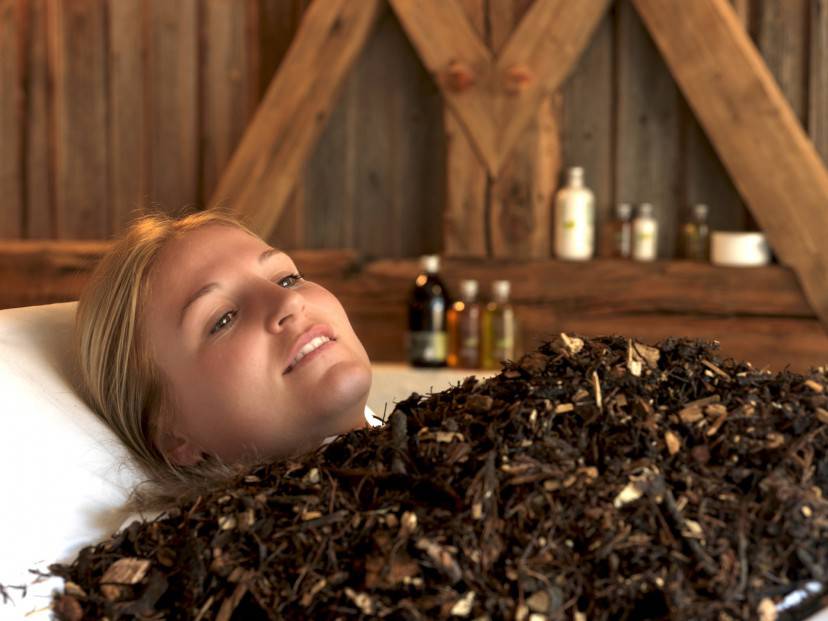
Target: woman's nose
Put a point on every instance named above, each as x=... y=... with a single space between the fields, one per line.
x=283 y=307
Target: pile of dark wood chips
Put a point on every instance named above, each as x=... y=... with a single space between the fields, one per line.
x=592 y=479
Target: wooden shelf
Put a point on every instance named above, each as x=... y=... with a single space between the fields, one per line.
x=758 y=314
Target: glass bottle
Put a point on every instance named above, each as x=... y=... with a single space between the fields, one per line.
x=695 y=235
x=645 y=234
x=618 y=239
x=427 y=342
x=464 y=328
x=574 y=218
x=497 y=341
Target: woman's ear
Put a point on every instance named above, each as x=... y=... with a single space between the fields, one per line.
x=179 y=449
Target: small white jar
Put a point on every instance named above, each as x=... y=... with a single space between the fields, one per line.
x=739 y=248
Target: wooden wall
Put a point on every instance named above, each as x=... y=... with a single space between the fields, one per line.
x=110 y=106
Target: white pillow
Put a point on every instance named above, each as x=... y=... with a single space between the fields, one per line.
x=66 y=476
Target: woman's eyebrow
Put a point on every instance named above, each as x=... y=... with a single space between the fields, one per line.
x=270 y=252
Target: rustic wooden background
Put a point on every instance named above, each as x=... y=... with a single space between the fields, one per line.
x=108 y=106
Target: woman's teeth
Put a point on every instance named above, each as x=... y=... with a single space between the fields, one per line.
x=308 y=348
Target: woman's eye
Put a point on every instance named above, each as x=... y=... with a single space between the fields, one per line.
x=223 y=321
x=293 y=278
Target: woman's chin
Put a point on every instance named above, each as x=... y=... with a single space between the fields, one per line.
x=340 y=395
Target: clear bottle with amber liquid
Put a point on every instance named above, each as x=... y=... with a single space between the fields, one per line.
x=427 y=337
x=464 y=328
x=695 y=235
x=498 y=328
x=618 y=234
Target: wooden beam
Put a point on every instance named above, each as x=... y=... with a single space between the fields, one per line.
x=11 y=135
x=753 y=129
x=505 y=92
x=548 y=41
x=508 y=216
x=454 y=53
x=266 y=166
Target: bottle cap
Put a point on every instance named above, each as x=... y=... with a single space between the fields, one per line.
x=645 y=210
x=700 y=211
x=623 y=211
x=575 y=175
x=468 y=289
x=500 y=290
x=430 y=263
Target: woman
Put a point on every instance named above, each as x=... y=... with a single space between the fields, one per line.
x=203 y=347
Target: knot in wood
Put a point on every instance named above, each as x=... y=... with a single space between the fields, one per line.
x=459 y=76
x=517 y=79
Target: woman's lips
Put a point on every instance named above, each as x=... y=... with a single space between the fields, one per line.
x=311 y=355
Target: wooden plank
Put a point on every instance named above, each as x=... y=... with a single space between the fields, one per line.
x=260 y=177
x=226 y=92
x=372 y=181
x=173 y=103
x=818 y=80
x=520 y=215
x=770 y=159
x=782 y=37
x=495 y=109
x=128 y=127
x=275 y=146
x=586 y=122
x=647 y=143
x=464 y=221
x=81 y=166
x=520 y=209
x=330 y=178
x=399 y=144
x=442 y=35
x=277 y=22
x=548 y=41
x=705 y=178
x=601 y=286
x=39 y=164
x=759 y=314
x=11 y=138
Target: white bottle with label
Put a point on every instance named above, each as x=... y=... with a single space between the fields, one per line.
x=645 y=234
x=575 y=218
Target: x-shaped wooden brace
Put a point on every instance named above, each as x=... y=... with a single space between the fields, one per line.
x=757 y=136
x=495 y=95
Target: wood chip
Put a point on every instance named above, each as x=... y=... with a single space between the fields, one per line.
x=673 y=442
x=716 y=370
x=691 y=414
x=767 y=610
x=572 y=343
x=822 y=415
x=596 y=387
x=815 y=386
x=463 y=606
x=123 y=572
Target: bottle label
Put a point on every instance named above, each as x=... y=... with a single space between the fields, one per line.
x=428 y=346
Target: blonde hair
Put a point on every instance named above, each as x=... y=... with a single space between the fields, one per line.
x=122 y=383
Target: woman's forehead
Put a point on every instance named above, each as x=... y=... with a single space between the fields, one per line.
x=200 y=255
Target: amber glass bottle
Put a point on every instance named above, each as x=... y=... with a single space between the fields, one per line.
x=618 y=237
x=464 y=328
x=498 y=328
x=695 y=235
x=427 y=336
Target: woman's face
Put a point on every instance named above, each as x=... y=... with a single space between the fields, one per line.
x=225 y=317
